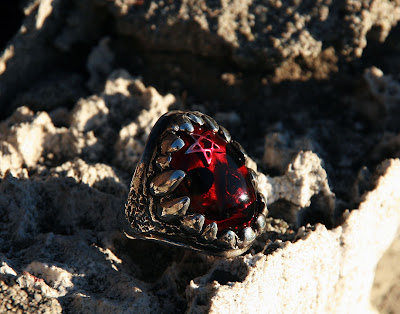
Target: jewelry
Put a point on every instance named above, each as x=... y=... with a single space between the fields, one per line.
x=191 y=188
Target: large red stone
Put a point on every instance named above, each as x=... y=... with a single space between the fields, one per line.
x=217 y=180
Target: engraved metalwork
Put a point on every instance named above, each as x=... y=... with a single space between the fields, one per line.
x=173 y=209
x=210 y=232
x=166 y=182
x=157 y=207
x=193 y=223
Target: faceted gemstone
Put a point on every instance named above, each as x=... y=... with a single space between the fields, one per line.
x=217 y=180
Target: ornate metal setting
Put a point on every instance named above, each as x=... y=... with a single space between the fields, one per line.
x=157 y=208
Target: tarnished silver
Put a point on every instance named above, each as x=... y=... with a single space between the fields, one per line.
x=263 y=201
x=193 y=223
x=240 y=148
x=211 y=123
x=210 y=232
x=173 y=209
x=248 y=235
x=157 y=210
x=229 y=239
x=196 y=118
x=187 y=126
x=163 y=161
x=166 y=182
x=253 y=177
x=171 y=143
x=225 y=133
x=261 y=222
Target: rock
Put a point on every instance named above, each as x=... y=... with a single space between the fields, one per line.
x=309 y=88
x=326 y=271
x=47 y=35
x=89 y=114
x=254 y=33
x=24 y=300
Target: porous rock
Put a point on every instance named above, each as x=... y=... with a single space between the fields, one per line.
x=68 y=148
x=326 y=271
x=257 y=32
x=290 y=37
x=14 y=298
x=65 y=221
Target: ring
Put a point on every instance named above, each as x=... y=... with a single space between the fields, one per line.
x=191 y=188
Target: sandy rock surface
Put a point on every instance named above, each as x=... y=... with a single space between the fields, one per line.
x=310 y=89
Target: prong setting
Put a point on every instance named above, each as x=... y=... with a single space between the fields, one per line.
x=263 y=200
x=195 y=118
x=210 y=232
x=253 y=177
x=248 y=236
x=225 y=133
x=166 y=182
x=193 y=223
x=171 y=143
x=173 y=209
x=229 y=239
x=240 y=149
x=163 y=161
x=261 y=223
x=186 y=127
x=211 y=123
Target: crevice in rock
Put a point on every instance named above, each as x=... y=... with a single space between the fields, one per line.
x=11 y=17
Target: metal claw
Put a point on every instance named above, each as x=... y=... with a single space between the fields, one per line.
x=163 y=161
x=248 y=236
x=229 y=239
x=186 y=126
x=240 y=148
x=264 y=206
x=196 y=118
x=253 y=177
x=166 y=182
x=225 y=133
x=193 y=223
x=173 y=209
x=171 y=143
x=211 y=123
x=173 y=128
x=261 y=222
x=210 y=232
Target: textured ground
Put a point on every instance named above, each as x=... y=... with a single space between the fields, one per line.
x=310 y=88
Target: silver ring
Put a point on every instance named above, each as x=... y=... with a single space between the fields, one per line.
x=191 y=188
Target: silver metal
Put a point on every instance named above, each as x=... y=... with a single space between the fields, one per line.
x=171 y=143
x=263 y=200
x=163 y=161
x=173 y=209
x=225 y=133
x=261 y=223
x=195 y=118
x=229 y=239
x=211 y=123
x=253 y=177
x=193 y=223
x=210 y=232
x=248 y=235
x=173 y=128
x=166 y=182
x=240 y=148
x=156 y=209
x=187 y=127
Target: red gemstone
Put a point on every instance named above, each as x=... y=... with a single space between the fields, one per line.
x=217 y=180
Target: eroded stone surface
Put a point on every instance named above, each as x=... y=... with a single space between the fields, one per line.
x=70 y=140
x=343 y=259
